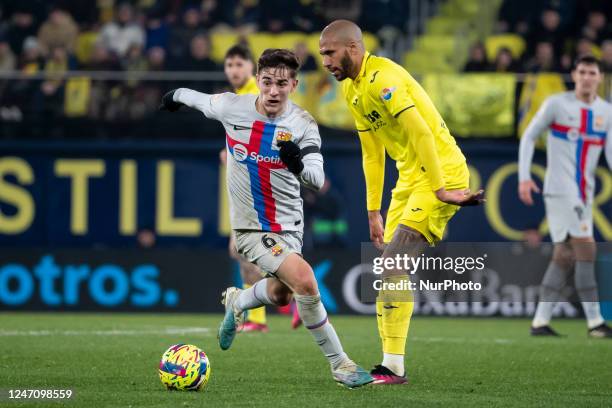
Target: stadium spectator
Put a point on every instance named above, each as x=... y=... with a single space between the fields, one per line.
x=59 y=30
x=211 y=13
x=308 y=18
x=606 y=56
x=182 y=33
x=119 y=35
x=30 y=60
x=243 y=14
x=596 y=28
x=505 y=62
x=8 y=62
x=515 y=15
x=307 y=61
x=157 y=32
x=340 y=9
x=378 y=14
x=477 y=61
x=156 y=59
x=84 y=13
x=199 y=56
x=544 y=59
x=276 y=16
x=134 y=60
x=22 y=26
x=548 y=30
x=101 y=59
x=584 y=46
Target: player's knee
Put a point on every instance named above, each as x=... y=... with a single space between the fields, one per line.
x=306 y=286
x=278 y=292
x=305 y=282
x=563 y=256
x=584 y=250
x=281 y=298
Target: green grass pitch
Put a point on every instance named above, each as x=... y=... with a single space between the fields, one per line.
x=110 y=360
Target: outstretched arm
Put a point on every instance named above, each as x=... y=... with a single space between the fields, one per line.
x=209 y=104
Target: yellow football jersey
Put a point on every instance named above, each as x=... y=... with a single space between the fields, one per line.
x=379 y=94
x=250 y=87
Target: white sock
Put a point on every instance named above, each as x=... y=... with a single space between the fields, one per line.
x=255 y=296
x=543 y=314
x=314 y=316
x=394 y=362
x=586 y=285
x=593 y=314
x=552 y=283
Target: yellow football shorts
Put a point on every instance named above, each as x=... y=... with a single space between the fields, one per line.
x=422 y=211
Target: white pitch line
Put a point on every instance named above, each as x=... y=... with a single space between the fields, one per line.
x=459 y=340
x=111 y=332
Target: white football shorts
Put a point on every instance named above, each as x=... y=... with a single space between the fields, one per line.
x=268 y=250
x=568 y=215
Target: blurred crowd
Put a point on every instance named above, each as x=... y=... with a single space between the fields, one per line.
x=160 y=34
x=43 y=39
x=555 y=33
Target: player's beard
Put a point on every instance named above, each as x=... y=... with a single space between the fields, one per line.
x=346 y=66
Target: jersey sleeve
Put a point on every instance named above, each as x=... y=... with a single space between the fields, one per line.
x=362 y=125
x=391 y=90
x=211 y=106
x=540 y=122
x=373 y=162
x=313 y=175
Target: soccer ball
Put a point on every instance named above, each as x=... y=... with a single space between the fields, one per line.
x=184 y=367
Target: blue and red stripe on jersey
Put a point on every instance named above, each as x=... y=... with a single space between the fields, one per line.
x=587 y=137
x=260 y=143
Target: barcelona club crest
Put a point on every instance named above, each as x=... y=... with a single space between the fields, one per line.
x=283 y=136
x=272 y=245
x=276 y=250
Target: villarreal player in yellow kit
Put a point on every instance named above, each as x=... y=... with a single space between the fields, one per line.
x=394 y=115
x=238 y=67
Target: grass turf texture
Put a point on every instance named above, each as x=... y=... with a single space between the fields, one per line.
x=111 y=360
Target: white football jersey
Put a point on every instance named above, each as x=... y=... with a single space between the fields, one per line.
x=263 y=194
x=577 y=134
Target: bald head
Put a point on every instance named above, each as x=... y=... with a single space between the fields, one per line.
x=341 y=46
x=344 y=32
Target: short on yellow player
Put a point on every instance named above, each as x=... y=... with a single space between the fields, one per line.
x=184 y=367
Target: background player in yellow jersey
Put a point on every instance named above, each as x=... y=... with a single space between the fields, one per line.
x=239 y=67
x=393 y=114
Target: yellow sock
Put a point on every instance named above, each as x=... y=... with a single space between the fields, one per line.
x=397 y=307
x=257 y=315
x=379 y=320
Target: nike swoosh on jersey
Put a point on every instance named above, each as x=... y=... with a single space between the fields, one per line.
x=390 y=307
x=238 y=127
